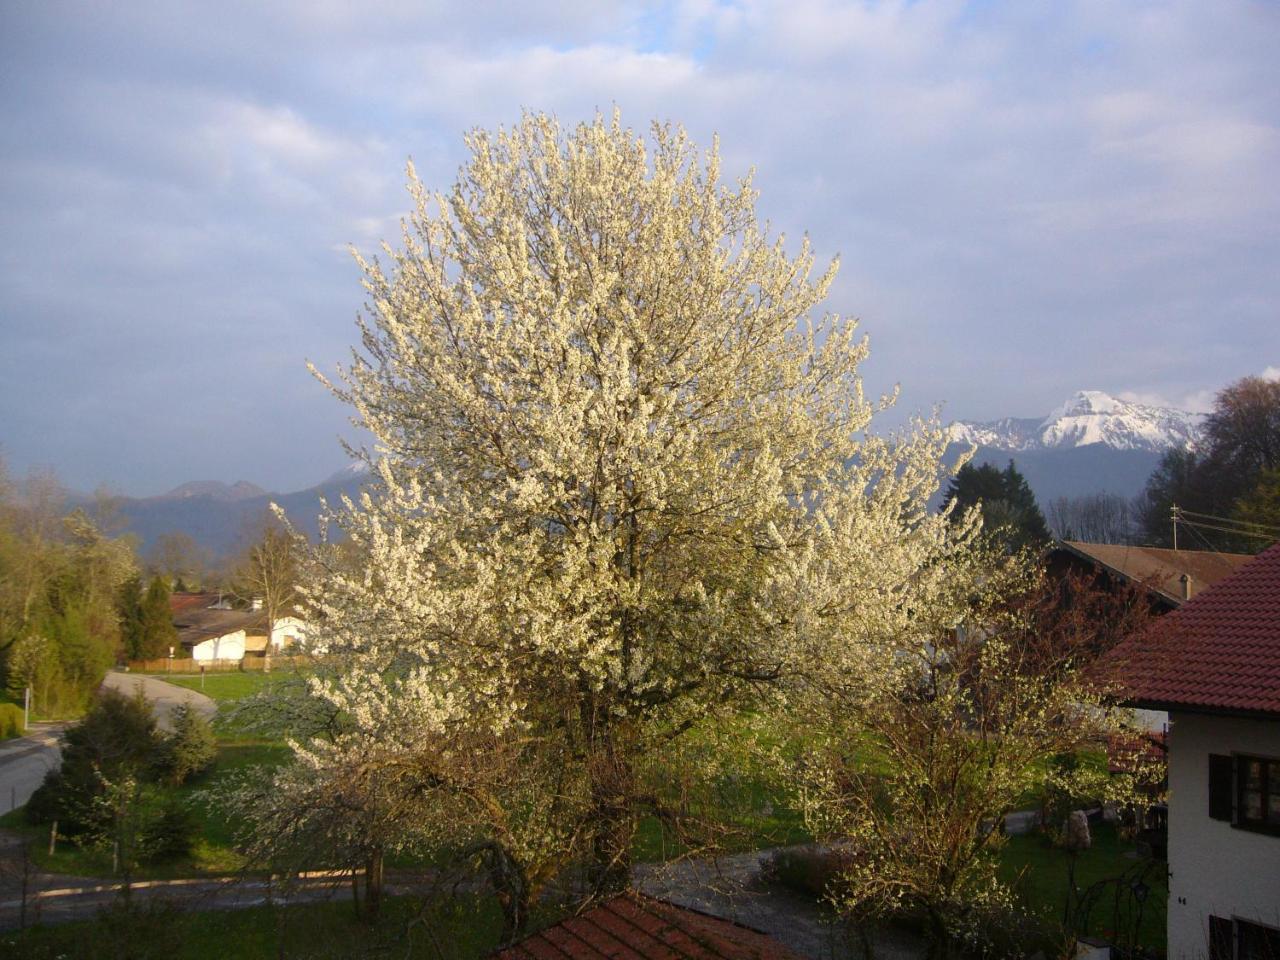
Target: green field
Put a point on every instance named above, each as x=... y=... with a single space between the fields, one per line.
x=230 y=686
x=464 y=928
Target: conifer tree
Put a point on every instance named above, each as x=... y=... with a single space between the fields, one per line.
x=1009 y=508
x=158 y=633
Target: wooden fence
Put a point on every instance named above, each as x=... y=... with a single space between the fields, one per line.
x=191 y=665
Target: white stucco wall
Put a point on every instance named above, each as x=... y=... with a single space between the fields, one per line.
x=1215 y=869
x=285 y=628
x=227 y=647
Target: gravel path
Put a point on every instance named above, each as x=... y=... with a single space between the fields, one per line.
x=731 y=887
x=164 y=697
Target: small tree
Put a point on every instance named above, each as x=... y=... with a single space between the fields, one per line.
x=190 y=748
x=914 y=776
x=268 y=571
x=115 y=743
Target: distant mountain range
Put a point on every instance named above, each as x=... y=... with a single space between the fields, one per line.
x=218 y=515
x=1093 y=443
x=1090 y=417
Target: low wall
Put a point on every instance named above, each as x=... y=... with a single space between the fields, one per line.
x=191 y=665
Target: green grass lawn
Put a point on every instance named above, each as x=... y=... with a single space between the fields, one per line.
x=462 y=929
x=1038 y=873
x=233 y=685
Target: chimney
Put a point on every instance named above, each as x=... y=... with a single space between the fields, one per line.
x=1186 y=586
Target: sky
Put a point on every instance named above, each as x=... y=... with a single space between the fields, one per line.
x=1028 y=199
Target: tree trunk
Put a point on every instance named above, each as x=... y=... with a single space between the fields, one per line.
x=614 y=824
x=373 y=886
x=511 y=887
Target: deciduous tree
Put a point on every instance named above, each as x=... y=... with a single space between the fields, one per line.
x=911 y=778
x=623 y=478
x=267 y=571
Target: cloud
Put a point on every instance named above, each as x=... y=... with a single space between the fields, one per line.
x=1027 y=198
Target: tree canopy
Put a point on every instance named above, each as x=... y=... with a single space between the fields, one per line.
x=1009 y=508
x=623 y=484
x=1226 y=476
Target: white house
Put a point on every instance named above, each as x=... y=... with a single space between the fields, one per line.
x=226 y=646
x=209 y=628
x=1214 y=665
x=287 y=632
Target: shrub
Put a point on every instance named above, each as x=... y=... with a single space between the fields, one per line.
x=168 y=831
x=189 y=750
x=10 y=721
x=117 y=736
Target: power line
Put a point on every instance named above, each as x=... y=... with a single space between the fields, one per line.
x=1231 y=520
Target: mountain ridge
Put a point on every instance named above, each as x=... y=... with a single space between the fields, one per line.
x=1088 y=417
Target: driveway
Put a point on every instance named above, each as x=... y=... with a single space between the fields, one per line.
x=164 y=697
x=25 y=760
x=731 y=887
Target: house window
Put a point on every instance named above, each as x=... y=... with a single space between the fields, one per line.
x=1245 y=790
x=1259 y=799
x=1236 y=939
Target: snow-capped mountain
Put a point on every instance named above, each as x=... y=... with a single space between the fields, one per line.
x=354 y=469
x=1089 y=417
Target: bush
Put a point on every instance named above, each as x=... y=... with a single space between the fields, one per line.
x=11 y=717
x=808 y=869
x=190 y=750
x=168 y=831
x=116 y=736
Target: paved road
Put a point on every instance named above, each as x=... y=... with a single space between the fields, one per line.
x=164 y=697
x=24 y=761
x=52 y=898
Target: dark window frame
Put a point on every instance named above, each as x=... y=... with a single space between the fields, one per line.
x=1260 y=930
x=1269 y=788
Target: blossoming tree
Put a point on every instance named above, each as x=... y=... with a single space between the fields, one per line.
x=623 y=478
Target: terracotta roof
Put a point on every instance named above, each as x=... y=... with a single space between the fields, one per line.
x=1219 y=651
x=180 y=602
x=635 y=927
x=1160 y=570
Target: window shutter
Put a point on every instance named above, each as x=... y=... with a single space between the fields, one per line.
x=1220 y=938
x=1221 y=787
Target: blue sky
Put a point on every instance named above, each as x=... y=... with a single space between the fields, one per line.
x=1028 y=198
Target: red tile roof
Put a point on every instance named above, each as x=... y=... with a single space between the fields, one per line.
x=1219 y=651
x=635 y=927
x=181 y=602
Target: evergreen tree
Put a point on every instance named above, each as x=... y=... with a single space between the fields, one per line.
x=129 y=604
x=190 y=749
x=1009 y=508
x=158 y=632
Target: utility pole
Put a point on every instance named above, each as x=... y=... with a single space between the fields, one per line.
x=1175 y=515
x=26 y=710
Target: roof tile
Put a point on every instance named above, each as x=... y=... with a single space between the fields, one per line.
x=635 y=927
x=1219 y=651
